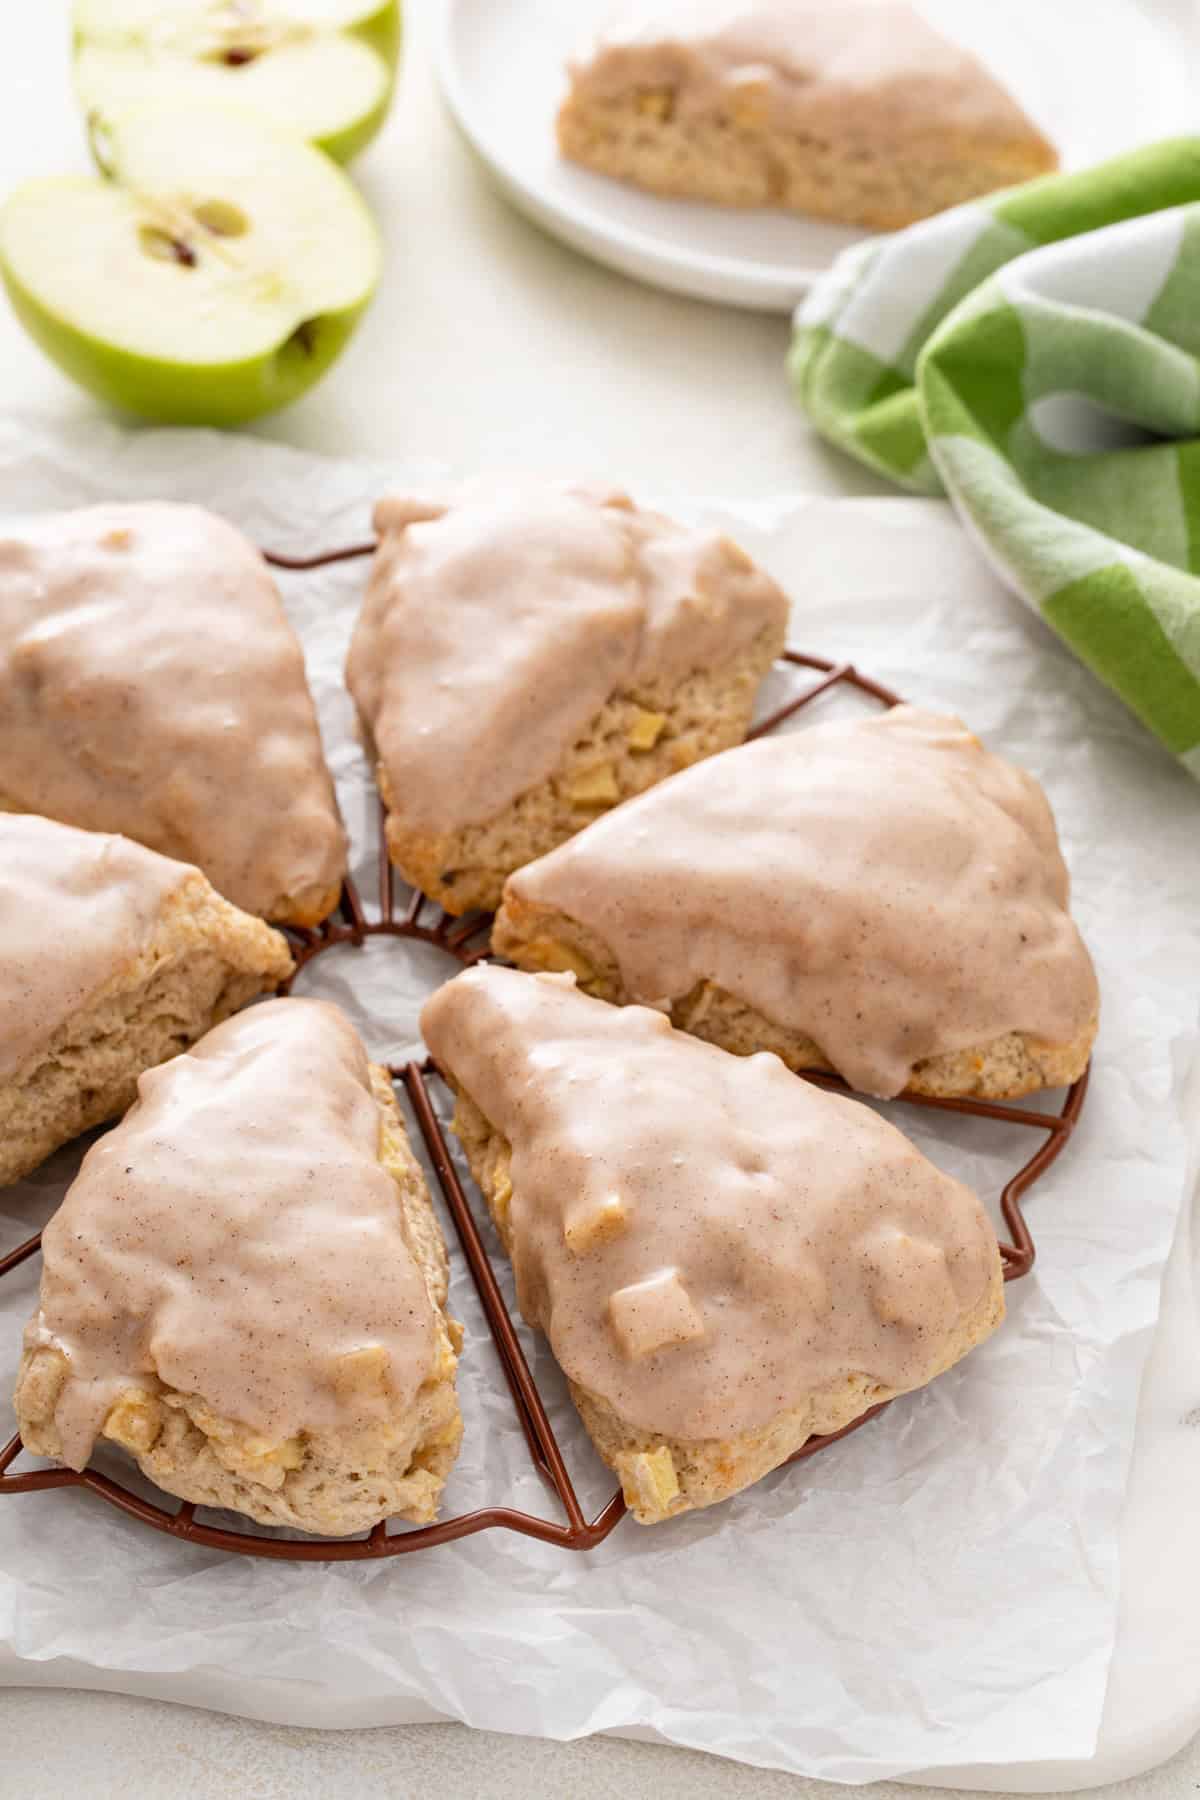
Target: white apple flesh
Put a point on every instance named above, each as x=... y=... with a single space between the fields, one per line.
x=214 y=275
x=324 y=69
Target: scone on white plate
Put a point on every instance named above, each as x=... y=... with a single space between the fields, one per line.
x=531 y=653
x=858 y=112
x=150 y=684
x=112 y=959
x=246 y=1287
x=725 y=1260
x=884 y=898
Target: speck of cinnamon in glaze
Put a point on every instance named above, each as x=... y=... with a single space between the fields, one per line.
x=774 y=1238
x=235 y=1236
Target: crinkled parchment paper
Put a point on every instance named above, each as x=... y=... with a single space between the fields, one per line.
x=939 y=1589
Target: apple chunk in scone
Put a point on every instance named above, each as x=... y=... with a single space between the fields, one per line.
x=246 y=1287
x=214 y=273
x=725 y=1260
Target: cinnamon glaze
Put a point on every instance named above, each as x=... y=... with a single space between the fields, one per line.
x=704 y=1239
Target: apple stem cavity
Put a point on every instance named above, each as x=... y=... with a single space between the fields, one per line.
x=301 y=346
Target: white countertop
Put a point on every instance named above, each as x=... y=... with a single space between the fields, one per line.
x=104 y=1747
x=489 y=345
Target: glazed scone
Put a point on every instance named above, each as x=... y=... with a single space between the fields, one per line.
x=529 y=654
x=858 y=112
x=724 y=1259
x=150 y=684
x=246 y=1287
x=883 y=898
x=112 y=959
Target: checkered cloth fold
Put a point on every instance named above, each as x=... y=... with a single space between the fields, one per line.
x=1036 y=357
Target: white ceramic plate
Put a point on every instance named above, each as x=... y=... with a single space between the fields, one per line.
x=1097 y=75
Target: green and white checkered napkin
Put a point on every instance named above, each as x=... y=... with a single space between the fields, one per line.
x=1036 y=356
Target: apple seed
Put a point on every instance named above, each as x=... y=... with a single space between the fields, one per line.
x=164 y=247
x=221 y=217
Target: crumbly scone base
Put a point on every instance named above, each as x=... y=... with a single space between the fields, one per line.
x=728 y=161
x=709 y=711
x=663 y=1476
x=537 y=938
x=703 y=1472
x=325 y=1484
x=204 y=961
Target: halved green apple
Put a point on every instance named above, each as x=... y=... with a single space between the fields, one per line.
x=324 y=69
x=212 y=276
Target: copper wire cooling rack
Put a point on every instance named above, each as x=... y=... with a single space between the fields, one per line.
x=466 y=941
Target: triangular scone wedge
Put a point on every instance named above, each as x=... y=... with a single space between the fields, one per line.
x=112 y=959
x=246 y=1287
x=529 y=654
x=150 y=684
x=724 y=1259
x=857 y=111
x=883 y=898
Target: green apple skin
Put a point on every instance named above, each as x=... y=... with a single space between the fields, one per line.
x=219 y=394
x=344 y=146
x=385 y=35
x=383 y=32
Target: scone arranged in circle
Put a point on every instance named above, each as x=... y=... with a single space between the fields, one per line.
x=529 y=654
x=150 y=684
x=883 y=898
x=112 y=959
x=246 y=1287
x=724 y=1259
x=857 y=111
